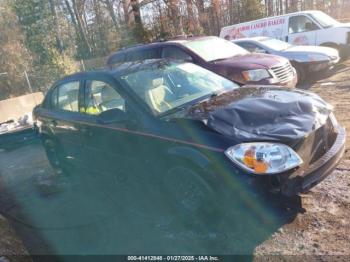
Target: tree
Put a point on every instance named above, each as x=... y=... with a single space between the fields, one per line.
x=42 y=38
x=251 y=10
x=14 y=56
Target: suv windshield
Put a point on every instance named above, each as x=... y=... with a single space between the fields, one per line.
x=164 y=87
x=275 y=44
x=324 y=20
x=214 y=48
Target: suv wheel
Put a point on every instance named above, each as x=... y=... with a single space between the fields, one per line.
x=188 y=192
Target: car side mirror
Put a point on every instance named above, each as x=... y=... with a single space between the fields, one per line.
x=111 y=116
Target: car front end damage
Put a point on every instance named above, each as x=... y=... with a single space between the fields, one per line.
x=321 y=152
x=327 y=146
x=316 y=66
x=289 y=139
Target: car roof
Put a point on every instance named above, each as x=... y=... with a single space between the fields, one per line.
x=273 y=17
x=175 y=40
x=255 y=39
x=120 y=69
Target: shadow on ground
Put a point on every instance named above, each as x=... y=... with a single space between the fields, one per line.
x=58 y=216
x=325 y=74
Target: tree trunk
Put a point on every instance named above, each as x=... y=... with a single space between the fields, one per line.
x=78 y=26
x=176 y=17
x=111 y=12
x=56 y=26
x=102 y=41
x=202 y=15
x=192 y=22
x=126 y=5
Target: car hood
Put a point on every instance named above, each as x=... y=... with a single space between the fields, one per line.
x=263 y=114
x=252 y=61
x=331 y=52
x=344 y=25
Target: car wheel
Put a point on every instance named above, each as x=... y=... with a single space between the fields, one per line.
x=301 y=75
x=188 y=192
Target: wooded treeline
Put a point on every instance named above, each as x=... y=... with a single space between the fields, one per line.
x=45 y=38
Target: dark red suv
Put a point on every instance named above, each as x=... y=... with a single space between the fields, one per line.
x=218 y=55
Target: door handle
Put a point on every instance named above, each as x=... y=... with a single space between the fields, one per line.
x=54 y=123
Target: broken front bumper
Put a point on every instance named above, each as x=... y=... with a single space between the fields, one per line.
x=322 y=65
x=307 y=178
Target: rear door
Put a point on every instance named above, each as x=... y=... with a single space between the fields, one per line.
x=64 y=119
x=175 y=52
x=302 y=30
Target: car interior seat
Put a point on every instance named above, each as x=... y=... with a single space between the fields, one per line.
x=156 y=94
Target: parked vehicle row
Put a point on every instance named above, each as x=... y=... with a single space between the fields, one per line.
x=300 y=28
x=259 y=60
x=305 y=59
x=188 y=132
x=217 y=55
x=198 y=118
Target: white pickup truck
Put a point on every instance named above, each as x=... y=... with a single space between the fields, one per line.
x=300 y=28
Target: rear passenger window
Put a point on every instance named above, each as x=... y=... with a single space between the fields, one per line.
x=144 y=54
x=65 y=97
x=175 y=53
x=117 y=59
x=248 y=46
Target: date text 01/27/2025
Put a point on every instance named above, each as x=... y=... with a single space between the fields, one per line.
x=173 y=258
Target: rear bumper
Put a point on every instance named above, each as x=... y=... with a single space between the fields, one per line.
x=315 y=173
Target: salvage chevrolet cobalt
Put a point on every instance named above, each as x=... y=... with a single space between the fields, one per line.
x=189 y=130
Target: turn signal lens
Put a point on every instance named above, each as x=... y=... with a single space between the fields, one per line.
x=263 y=158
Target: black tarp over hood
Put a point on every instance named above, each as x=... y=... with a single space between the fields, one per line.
x=264 y=113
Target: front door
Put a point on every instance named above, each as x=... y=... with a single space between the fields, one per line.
x=302 y=30
x=111 y=146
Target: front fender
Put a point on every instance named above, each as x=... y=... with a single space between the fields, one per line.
x=190 y=154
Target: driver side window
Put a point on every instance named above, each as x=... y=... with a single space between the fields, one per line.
x=99 y=97
x=301 y=23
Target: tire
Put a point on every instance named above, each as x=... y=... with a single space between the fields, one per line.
x=301 y=75
x=188 y=192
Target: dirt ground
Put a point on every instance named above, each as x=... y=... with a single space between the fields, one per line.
x=321 y=228
x=324 y=227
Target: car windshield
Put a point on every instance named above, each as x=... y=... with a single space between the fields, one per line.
x=168 y=86
x=214 y=48
x=275 y=44
x=324 y=20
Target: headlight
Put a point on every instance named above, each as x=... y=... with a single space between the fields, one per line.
x=317 y=57
x=255 y=75
x=263 y=158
